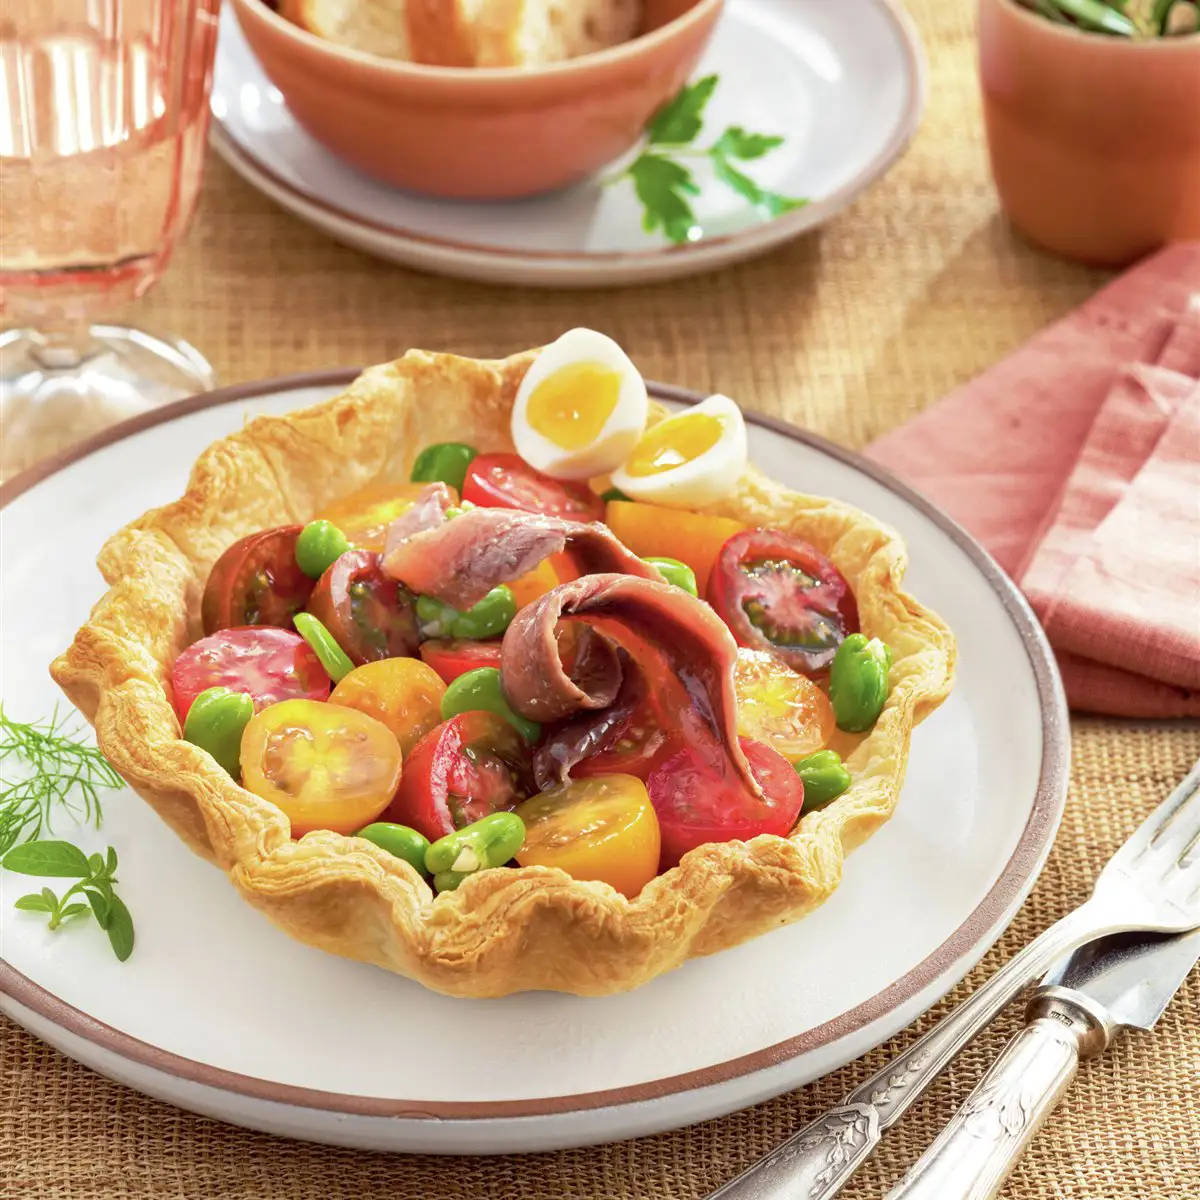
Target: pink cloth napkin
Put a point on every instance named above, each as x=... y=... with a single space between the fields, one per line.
x=1077 y=463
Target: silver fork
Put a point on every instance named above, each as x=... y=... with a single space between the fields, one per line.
x=1152 y=883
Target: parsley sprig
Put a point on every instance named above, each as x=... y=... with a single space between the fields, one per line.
x=97 y=875
x=662 y=181
x=60 y=773
x=1123 y=18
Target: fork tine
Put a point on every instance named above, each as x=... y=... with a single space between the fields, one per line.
x=1176 y=822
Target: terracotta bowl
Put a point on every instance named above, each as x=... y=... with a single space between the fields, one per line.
x=1094 y=140
x=484 y=133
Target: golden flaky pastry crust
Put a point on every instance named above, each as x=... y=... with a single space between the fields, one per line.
x=504 y=930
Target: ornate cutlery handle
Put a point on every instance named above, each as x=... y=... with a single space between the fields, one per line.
x=817 y=1162
x=977 y=1150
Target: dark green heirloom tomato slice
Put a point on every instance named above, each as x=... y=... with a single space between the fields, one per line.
x=461 y=770
x=778 y=593
x=369 y=615
x=257 y=581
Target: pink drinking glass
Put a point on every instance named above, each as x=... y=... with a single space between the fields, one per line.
x=103 y=119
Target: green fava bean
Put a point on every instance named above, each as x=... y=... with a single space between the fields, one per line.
x=824 y=778
x=398 y=840
x=488 y=618
x=676 y=573
x=216 y=721
x=333 y=658
x=319 y=546
x=479 y=690
x=489 y=842
x=444 y=462
x=858 y=682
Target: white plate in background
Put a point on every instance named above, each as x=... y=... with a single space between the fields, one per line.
x=843 y=82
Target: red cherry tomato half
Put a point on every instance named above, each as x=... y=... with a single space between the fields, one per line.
x=697 y=804
x=778 y=593
x=269 y=664
x=506 y=481
x=256 y=582
x=472 y=765
x=450 y=658
x=370 y=616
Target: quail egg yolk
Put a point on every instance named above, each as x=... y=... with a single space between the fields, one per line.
x=675 y=442
x=571 y=406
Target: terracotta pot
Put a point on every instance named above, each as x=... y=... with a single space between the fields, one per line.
x=480 y=133
x=1094 y=140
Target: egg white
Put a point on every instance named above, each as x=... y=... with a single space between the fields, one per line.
x=703 y=479
x=619 y=434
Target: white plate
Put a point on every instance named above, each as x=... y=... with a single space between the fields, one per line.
x=219 y=1012
x=842 y=81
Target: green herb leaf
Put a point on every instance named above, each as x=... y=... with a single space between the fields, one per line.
x=681 y=118
x=100 y=906
x=771 y=203
x=742 y=184
x=55 y=859
x=95 y=884
x=102 y=884
x=1098 y=16
x=775 y=205
x=1050 y=11
x=59 y=773
x=120 y=928
x=662 y=185
x=735 y=142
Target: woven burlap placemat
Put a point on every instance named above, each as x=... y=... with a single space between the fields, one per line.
x=849 y=332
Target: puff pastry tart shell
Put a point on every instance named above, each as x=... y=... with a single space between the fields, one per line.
x=506 y=930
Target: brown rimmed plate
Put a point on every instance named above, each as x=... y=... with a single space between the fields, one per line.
x=220 y=1013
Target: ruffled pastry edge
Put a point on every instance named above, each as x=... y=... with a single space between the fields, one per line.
x=503 y=931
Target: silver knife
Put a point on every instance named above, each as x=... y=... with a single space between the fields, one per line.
x=1124 y=981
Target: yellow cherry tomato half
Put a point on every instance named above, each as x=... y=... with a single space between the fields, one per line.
x=403 y=693
x=364 y=516
x=603 y=827
x=780 y=707
x=327 y=766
